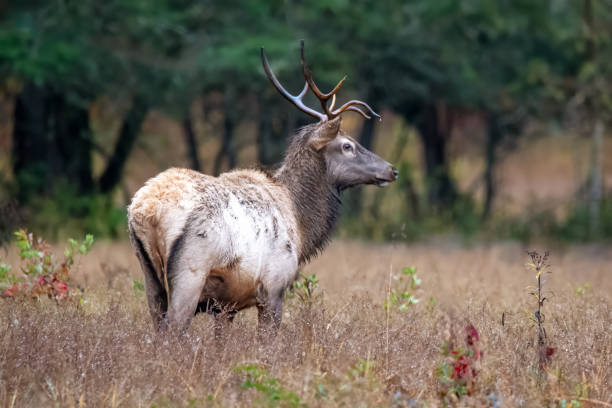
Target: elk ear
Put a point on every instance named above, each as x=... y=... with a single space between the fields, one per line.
x=326 y=132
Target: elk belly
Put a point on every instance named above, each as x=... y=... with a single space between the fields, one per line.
x=228 y=288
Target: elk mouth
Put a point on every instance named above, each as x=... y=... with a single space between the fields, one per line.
x=381 y=182
x=384 y=181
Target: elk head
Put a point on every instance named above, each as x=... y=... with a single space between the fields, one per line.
x=348 y=163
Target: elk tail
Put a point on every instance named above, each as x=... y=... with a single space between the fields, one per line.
x=159 y=273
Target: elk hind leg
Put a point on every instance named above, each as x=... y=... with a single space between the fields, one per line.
x=188 y=268
x=269 y=312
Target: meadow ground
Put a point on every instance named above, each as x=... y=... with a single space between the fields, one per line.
x=340 y=347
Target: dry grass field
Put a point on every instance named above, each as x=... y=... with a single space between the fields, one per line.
x=340 y=347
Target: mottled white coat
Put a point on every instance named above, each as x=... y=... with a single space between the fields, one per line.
x=231 y=241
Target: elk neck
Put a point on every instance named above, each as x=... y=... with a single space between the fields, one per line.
x=316 y=201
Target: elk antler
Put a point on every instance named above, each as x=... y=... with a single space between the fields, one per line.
x=330 y=113
x=324 y=97
x=296 y=100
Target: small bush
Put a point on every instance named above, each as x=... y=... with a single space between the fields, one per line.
x=273 y=393
x=460 y=366
x=403 y=290
x=539 y=264
x=41 y=274
x=66 y=213
x=577 y=226
x=303 y=288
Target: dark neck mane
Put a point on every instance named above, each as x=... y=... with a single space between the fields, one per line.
x=315 y=200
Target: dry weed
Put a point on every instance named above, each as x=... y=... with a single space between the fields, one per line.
x=342 y=348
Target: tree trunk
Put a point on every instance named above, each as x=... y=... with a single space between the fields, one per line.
x=411 y=195
x=406 y=179
x=264 y=128
x=73 y=143
x=441 y=191
x=494 y=135
x=595 y=188
x=191 y=141
x=31 y=142
x=366 y=136
x=596 y=182
x=52 y=143
x=227 y=146
x=272 y=133
x=127 y=136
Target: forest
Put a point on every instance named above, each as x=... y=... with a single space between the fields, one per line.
x=97 y=97
x=480 y=277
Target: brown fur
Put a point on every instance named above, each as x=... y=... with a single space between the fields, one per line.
x=315 y=201
x=229 y=288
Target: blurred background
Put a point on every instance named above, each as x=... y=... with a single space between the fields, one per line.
x=496 y=113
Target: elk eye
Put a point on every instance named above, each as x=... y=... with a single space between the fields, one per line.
x=347 y=147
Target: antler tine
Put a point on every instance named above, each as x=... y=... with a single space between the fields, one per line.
x=335 y=90
x=356 y=109
x=323 y=97
x=296 y=100
x=351 y=104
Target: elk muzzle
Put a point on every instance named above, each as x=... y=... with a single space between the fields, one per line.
x=388 y=175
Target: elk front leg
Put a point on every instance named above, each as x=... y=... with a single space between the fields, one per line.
x=270 y=311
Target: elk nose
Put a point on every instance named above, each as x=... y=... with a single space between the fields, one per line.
x=395 y=172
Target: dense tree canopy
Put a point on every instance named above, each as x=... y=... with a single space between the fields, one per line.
x=425 y=60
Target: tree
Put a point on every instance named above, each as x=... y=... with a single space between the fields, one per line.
x=65 y=57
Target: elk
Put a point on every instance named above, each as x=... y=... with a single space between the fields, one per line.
x=223 y=244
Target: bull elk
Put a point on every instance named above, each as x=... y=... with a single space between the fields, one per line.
x=223 y=244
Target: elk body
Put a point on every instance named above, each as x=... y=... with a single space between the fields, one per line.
x=223 y=244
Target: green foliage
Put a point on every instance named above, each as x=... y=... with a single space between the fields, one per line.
x=138 y=288
x=466 y=216
x=4 y=270
x=582 y=290
x=410 y=219
x=7 y=279
x=362 y=369
x=444 y=372
x=65 y=212
x=345 y=388
x=41 y=272
x=397 y=52
x=569 y=404
x=475 y=55
x=321 y=392
x=303 y=288
x=459 y=367
x=577 y=226
x=273 y=393
x=543 y=223
x=35 y=252
x=87 y=48
x=75 y=248
x=403 y=290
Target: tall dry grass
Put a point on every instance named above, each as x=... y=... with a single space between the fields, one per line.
x=339 y=349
